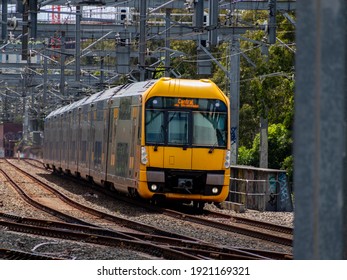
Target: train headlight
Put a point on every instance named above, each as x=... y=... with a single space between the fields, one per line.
x=227 y=159
x=215 y=190
x=144 y=158
x=154 y=187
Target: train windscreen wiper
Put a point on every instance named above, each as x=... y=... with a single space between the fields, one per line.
x=212 y=147
x=219 y=141
x=161 y=138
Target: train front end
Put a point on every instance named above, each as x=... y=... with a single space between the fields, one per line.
x=185 y=144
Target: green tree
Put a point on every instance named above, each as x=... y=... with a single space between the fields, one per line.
x=280 y=148
x=267 y=90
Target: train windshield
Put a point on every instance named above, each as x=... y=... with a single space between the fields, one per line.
x=186 y=122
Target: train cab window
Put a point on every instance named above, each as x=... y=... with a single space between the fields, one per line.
x=209 y=129
x=178 y=121
x=177 y=128
x=154 y=126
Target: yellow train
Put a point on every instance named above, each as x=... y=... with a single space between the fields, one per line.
x=158 y=139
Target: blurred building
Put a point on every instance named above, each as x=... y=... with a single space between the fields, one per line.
x=10 y=134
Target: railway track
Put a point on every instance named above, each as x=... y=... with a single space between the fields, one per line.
x=247 y=227
x=168 y=248
x=171 y=241
x=121 y=223
x=250 y=227
x=139 y=246
x=254 y=228
x=43 y=230
x=8 y=254
x=243 y=226
x=251 y=222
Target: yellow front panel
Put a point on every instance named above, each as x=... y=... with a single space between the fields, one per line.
x=155 y=158
x=177 y=158
x=203 y=160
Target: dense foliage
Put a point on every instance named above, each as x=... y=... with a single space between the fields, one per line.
x=267 y=91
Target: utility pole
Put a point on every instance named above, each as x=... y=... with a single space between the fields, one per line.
x=102 y=71
x=272 y=22
x=62 y=64
x=320 y=137
x=213 y=23
x=263 y=142
x=32 y=18
x=167 y=41
x=198 y=16
x=264 y=145
x=4 y=21
x=234 y=96
x=78 y=44
x=142 y=43
x=25 y=30
x=44 y=101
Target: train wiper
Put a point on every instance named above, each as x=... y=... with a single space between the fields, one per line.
x=213 y=147
x=163 y=131
x=161 y=138
x=219 y=141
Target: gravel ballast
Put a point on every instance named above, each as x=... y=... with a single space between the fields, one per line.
x=11 y=203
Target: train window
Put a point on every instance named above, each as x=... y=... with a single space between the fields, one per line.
x=186 y=121
x=125 y=108
x=154 y=127
x=209 y=129
x=177 y=128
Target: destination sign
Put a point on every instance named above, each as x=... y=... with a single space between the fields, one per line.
x=186 y=103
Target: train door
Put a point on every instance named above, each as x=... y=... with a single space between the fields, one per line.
x=78 y=138
x=105 y=146
x=59 y=139
x=91 y=138
x=70 y=140
x=97 y=142
x=111 y=157
x=84 y=136
x=176 y=153
x=123 y=146
x=73 y=142
x=121 y=158
x=135 y=145
x=65 y=140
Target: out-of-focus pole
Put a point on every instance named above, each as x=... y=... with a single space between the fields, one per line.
x=320 y=142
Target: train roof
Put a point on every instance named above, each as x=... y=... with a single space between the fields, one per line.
x=127 y=89
x=203 y=88
x=163 y=87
